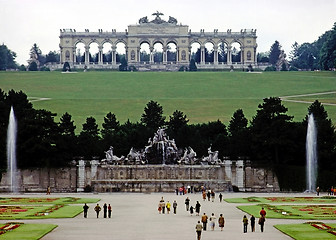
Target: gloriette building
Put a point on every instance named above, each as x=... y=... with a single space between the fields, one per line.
x=166 y=34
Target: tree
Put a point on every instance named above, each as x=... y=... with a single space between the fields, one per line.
x=270 y=129
x=66 y=125
x=222 y=52
x=110 y=125
x=275 y=52
x=66 y=67
x=263 y=57
x=32 y=66
x=303 y=56
x=89 y=138
x=192 y=66
x=123 y=65
x=177 y=121
x=35 y=55
x=239 y=134
x=152 y=116
x=328 y=51
x=7 y=58
x=52 y=57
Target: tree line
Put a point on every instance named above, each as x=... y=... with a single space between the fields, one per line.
x=270 y=138
x=320 y=54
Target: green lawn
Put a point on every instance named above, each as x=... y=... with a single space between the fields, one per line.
x=282 y=200
x=305 y=231
x=293 y=211
x=39 y=212
x=126 y=94
x=28 y=232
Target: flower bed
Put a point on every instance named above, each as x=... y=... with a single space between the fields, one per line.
x=9 y=227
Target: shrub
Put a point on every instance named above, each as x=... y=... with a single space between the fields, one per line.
x=66 y=67
x=270 y=69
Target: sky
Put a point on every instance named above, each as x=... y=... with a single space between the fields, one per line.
x=25 y=22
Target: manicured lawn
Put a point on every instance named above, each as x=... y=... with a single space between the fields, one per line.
x=293 y=211
x=307 y=231
x=282 y=200
x=38 y=212
x=27 y=231
x=46 y=200
x=126 y=94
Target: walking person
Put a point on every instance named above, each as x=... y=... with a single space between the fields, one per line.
x=262 y=223
x=245 y=223
x=198 y=230
x=109 y=210
x=204 y=195
x=85 y=208
x=163 y=205
x=105 y=210
x=209 y=195
x=186 y=202
x=262 y=212
x=252 y=219
x=212 y=221
x=168 y=206
x=212 y=195
x=220 y=197
x=174 y=206
x=204 y=220
x=97 y=209
x=191 y=210
x=198 y=208
x=159 y=208
x=221 y=222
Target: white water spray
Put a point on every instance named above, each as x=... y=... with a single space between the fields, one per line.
x=11 y=151
x=311 y=155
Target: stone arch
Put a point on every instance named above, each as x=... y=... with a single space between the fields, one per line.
x=93 y=47
x=121 y=51
x=222 y=51
x=107 y=51
x=79 y=47
x=171 y=51
x=209 y=50
x=144 y=51
x=195 y=51
x=236 y=51
x=157 y=51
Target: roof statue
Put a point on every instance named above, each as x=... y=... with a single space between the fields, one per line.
x=158 y=19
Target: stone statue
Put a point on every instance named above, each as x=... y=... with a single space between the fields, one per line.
x=212 y=158
x=172 y=20
x=143 y=20
x=109 y=154
x=158 y=20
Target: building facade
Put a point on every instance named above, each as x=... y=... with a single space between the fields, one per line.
x=159 y=31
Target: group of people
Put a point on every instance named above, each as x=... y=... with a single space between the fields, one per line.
x=261 y=221
x=210 y=194
x=202 y=224
x=107 y=210
x=162 y=206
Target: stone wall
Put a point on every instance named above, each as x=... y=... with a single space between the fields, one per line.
x=229 y=176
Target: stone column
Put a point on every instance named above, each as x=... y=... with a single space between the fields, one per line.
x=240 y=175
x=242 y=58
x=100 y=55
x=81 y=176
x=87 y=53
x=138 y=55
x=177 y=54
x=216 y=55
x=229 y=55
x=94 y=164
x=74 y=55
x=164 y=55
x=228 y=170
x=114 y=55
x=151 y=56
x=202 y=55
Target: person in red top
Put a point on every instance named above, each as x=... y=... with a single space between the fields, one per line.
x=262 y=212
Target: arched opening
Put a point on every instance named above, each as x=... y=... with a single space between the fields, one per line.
x=121 y=52
x=209 y=52
x=171 y=52
x=93 y=53
x=222 y=52
x=158 y=52
x=80 y=53
x=107 y=52
x=144 y=52
x=195 y=52
x=236 y=52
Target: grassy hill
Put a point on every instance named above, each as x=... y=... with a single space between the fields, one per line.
x=202 y=96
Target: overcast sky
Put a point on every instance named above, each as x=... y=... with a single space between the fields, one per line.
x=25 y=22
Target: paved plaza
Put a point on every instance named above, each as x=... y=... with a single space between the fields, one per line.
x=135 y=216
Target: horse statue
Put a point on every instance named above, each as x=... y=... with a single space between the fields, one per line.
x=172 y=20
x=143 y=20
